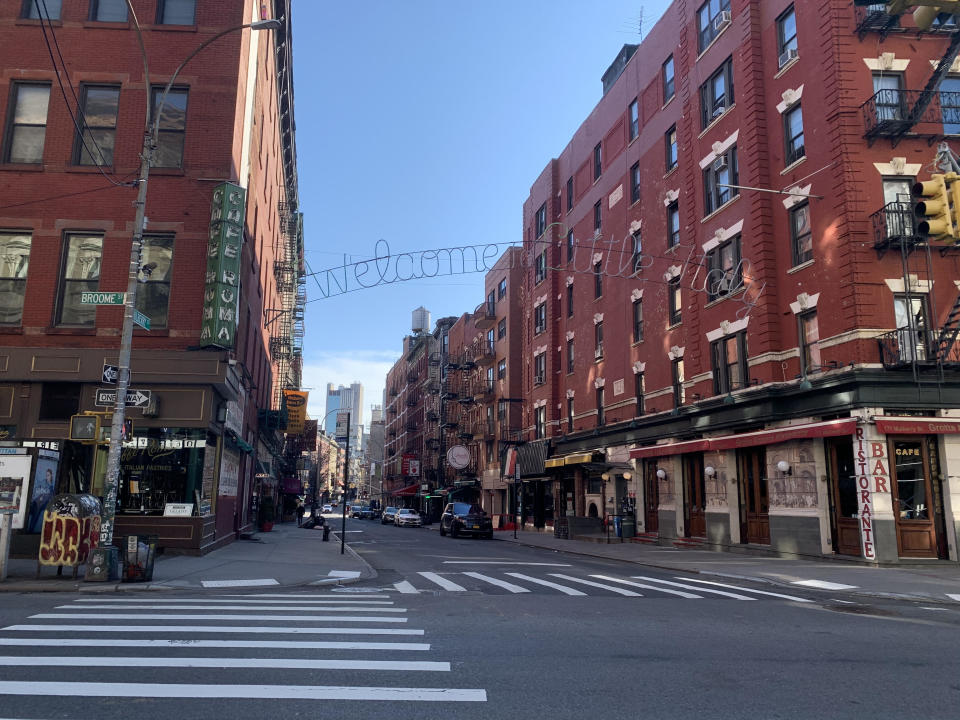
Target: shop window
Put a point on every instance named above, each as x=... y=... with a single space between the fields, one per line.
x=14 y=263
x=59 y=400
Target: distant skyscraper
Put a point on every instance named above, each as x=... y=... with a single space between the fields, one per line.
x=347 y=398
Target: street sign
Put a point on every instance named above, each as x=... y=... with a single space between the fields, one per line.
x=135 y=398
x=103 y=298
x=140 y=319
x=110 y=374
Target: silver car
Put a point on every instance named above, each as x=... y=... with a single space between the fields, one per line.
x=408 y=516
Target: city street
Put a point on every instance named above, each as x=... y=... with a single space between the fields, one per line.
x=472 y=628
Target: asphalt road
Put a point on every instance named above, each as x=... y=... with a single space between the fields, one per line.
x=407 y=646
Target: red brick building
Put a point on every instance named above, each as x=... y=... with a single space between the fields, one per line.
x=727 y=304
x=69 y=151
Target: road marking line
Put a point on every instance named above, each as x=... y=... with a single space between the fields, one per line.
x=405 y=587
x=319 y=604
x=442 y=582
x=757 y=592
x=215 y=629
x=932 y=608
x=344 y=573
x=611 y=588
x=318 y=595
x=501 y=562
x=267 y=608
x=547 y=583
x=823 y=585
x=499 y=583
x=953 y=597
x=260 y=692
x=681 y=593
x=213 y=662
x=153 y=616
x=238 y=583
x=735 y=596
x=190 y=643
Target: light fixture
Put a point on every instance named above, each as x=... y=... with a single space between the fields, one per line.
x=605 y=476
x=661 y=473
x=627 y=475
x=784 y=467
x=709 y=471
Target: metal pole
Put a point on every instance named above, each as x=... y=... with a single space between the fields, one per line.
x=346 y=471
x=6 y=525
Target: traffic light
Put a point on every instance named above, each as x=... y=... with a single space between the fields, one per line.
x=127 y=431
x=935 y=209
x=85 y=428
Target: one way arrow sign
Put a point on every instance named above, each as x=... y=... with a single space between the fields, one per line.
x=135 y=398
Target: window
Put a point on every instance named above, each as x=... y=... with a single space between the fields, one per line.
x=637 y=320
x=676 y=374
x=502 y=329
x=793 y=135
x=540 y=268
x=597 y=218
x=638 y=390
x=49 y=8
x=675 y=301
x=541 y=220
x=570 y=355
x=570 y=244
x=540 y=422
x=539 y=318
x=634 y=112
x=673 y=224
x=634 y=183
x=598 y=340
x=176 y=12
x=491 y=303
x=787 y=36
x=601 y=415
x=489 y=385
x=801 y=236
x=569 y=414
x=172 y=128
x=716 y=94
x=597 y=280
x=108 y=10
x=27 y=125
x=597 y=161
x=724 y=274
x=569 y=193
x=59 y=400
x=153 y=296
x=670 y=140
x=14 y=262
x=502 y=289
x=712 y=17
x=570 y=300
x=80 y=272
x=94 y=146
x=539 y=369
x=910 y=315
x=809 y=341
x=491 y=343
x=668 y=80
x=719 y=179
x=636 y=253
x=729 y=359
x=501 y=369
x=888 y=97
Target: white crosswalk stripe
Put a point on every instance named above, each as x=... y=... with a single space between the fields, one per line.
x=546 y=583
x=499 y=583
x=736 y=596
x=647 y=586
x=591 y=583
x=755 y=592
x=442 y=582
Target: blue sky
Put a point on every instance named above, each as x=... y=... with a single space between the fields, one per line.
x=424 y=123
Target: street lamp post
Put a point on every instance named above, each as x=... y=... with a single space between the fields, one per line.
x=150 y=139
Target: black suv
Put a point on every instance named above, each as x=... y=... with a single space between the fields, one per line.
x=460 y=518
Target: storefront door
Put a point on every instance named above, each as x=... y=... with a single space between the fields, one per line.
x=694 y=496
x=845 y=525
x=754 y=500
x=913 y=497
x=651 y=499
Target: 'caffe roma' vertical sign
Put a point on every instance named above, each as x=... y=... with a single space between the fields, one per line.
x=222 y=290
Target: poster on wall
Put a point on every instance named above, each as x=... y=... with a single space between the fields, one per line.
x=229 y=473
x=14 y=481
x=44 y=485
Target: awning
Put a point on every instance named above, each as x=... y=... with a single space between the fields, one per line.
x=830 y=428
x=532 y=457
x=917 y=426
x=408 y=490
x=554 y=462
x=240 y=442
x=571 y=459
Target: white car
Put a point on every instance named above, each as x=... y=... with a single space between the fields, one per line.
x=408 y=516
x=327 y=509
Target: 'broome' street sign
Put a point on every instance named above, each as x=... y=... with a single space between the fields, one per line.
x=103 y=298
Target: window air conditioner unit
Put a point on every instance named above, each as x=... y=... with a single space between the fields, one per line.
x=788 y=55
x=724 y=285
x=718 y=111
x=721 y=20
x=598 y=352
x=720 y=163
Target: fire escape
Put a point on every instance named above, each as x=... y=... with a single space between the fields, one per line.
x=285 y=323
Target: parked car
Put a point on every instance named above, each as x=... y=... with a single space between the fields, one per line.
x=408 y=516
x=327 y=509
x=460 y=518
x=358 y=510
x=367 y=513
x=389 y=515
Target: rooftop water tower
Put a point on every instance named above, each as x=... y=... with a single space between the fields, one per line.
x=421 y=320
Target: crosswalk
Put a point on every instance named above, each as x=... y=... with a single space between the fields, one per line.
x=264 y=647
x=505 y=583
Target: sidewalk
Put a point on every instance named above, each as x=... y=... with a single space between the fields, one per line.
x=939 y=582
x=287 y=556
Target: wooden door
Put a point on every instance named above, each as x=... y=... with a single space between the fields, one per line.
x=651 y=499
x=754 y=499
x=912 y=496
x=844 y=509
x=694 y=496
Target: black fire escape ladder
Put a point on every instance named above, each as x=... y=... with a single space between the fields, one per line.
x=949 y=331
x=926 y=95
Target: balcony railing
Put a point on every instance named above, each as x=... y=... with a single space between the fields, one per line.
x=893 y=113
x=413 y=399
x=483 y=389
x=412 y=375
x=875 y=18
x=484 y=429
x=485 y=315
x=894 y=226
x=906 y=346
x=486 y=353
